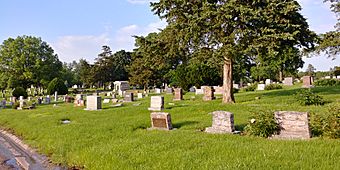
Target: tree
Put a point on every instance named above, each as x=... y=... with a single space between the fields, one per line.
x=310 y=70
x=234 y=28
x=26 y=61
x=84 y=70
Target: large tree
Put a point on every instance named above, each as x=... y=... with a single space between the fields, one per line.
x=26 y=61
x=232 y=28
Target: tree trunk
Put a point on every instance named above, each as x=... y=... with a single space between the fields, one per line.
x=228 y=96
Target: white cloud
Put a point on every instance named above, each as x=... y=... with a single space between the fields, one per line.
x=140 y=1
x=75 y=47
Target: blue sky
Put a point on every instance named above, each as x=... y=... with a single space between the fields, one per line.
x=78 y=28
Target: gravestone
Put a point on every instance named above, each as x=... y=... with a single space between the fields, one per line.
x=327 y=77
x=337 y=77
x=121 y=86
x=288 y=81
x=128 y=97
x=268 y=82
x=3 y=103
x=39 y=100
x=293 y=125
x=160 y=120
x=114 y=95
x=47 y=99
x=199 y=91
x=140 y=95
x=158 y=90
x=93 y=103
x=106 y=101
x=218 y=90
x=169 y=90
x=192 y=89
x=261 y=86
x=208 y=93
x=307 y=81
x=178 y=94
x=157 y=103
x=222 y=122
x=236 y=86
x=55 y=96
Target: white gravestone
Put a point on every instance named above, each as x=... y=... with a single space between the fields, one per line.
x=93 y=103
x=157 y=103
x=261 y=86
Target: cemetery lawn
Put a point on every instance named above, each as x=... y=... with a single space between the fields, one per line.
x=116 y=138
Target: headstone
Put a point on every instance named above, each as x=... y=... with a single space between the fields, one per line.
x=121 y=86
x=218 y=90
x=93 y=103
x=158 y=90
x=160 y=120
x=115 y=100
x=128 y=97
x=293 y=125
x=157 y=103
x=39 y=100
x=236 y=86
x=288 y=81
x=106 y=101
x=169 y=90
x=140 y=95
x=208 y=93
x=47 y=99
x=268 y=82
x=178 y=94
x=68 y=99
x=337 y=77
x=55 y=96
x=328 y=77
x=3 y=103
x=222 y=122
x=114 y=95
x=21 y=98
x=199 y=91
x=307 y=81
x=192 y=89
x=261 y=86
x=29 y=98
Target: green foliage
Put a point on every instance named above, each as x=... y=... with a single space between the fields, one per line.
x=15 y=105
x=57 y=85
x=19 y=91
x=306 y=97
x=262 y=124
x=327 y=124
x=26 y=61
x=252 y=87
x=273 y=87
x=327 y=82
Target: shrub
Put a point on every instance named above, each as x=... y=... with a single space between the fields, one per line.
x=250 y=88
x=327 y=82
x=57 y=85
x=19 y=91
x=306 y=97
x=273 y=87
x=327 y=124
x=262 y=124
x=15 y=105
x=235 y=90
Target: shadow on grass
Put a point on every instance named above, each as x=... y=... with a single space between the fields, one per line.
x=240 y=127
x=184 y=123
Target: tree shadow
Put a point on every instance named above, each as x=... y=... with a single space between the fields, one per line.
x=184 y=123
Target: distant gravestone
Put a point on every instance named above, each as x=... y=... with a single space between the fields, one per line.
x=218 y=90
x=55 y=96
x=199 y=91
x=178 y=94
x=307 y=81
x=160 y=120
x=293 y=125
x=327 y=77
x=222 y=122
x=158 y=91
x=128 y=97
x=157 y=103
x=288 y=81
x=268 y=82
x=93 y=103
x=337 y=77
x=140 y=95
x=106 y=101
x=169 y=90
x=208 y=93
x=47 y=99
x=39 y=100
x=261 y=86
x=236 y=86
x=192 y=89
x=3 y=103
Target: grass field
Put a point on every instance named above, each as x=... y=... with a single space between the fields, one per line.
x=116 y=138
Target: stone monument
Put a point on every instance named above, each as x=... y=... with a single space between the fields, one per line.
x=307 y=81
x=261 y=86
x=157 y=103
x=208 y=93
x=128 y=97
x=178 y=94
x=288 y=81
x=160 y=120
x=222 y=122
x=93 y=103
x=293 y=125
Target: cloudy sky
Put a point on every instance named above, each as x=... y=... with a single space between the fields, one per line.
x=78 y=28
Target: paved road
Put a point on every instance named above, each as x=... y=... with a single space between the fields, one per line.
x=17 y=156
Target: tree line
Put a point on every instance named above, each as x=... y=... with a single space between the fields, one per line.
x=209 y=42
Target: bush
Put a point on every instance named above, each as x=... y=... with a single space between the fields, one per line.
x=262 y=124
x=327 y=124
x=306 y=97
x=19 y=91
x=15 y=105
x=235 y=90
x=327 y=82
x=273 y=87
x=250 y=88
x=57 y=85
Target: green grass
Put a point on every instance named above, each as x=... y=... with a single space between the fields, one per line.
x=116 y=138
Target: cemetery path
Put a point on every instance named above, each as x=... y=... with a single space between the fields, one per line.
x=16 y=155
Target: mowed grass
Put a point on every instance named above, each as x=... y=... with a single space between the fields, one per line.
x=116 y=138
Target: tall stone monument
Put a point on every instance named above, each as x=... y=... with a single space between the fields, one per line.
x=157 y=103
x=208 y=92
